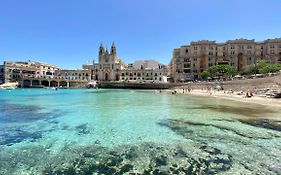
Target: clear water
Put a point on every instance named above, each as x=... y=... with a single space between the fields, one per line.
x=134 y=132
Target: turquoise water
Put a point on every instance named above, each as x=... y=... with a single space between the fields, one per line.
x=135 y=132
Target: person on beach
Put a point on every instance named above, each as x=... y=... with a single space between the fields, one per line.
x=189 y=89
x=209 y=90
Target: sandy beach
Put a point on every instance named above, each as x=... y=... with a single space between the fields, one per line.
x=255 y=99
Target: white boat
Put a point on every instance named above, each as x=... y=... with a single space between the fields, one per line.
x=92 y=84
x=9 y=86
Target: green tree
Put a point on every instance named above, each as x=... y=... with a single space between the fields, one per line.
x=219 y=71
x=205 y=74
x=264 y=67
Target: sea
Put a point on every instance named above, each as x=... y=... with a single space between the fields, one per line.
x=117 y=131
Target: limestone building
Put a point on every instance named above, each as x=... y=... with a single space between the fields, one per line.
x=109 y=66
x=145 y=71
x=189 y=61
x=16 y=71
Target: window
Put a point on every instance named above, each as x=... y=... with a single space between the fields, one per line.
x=186 y=51
x=186 y=60
x=211 y=48
x=249 y=47
x=195 y=48
x=232 y=47
x=210 y=53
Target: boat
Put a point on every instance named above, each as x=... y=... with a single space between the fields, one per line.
x=9 y=86
x=92 y=84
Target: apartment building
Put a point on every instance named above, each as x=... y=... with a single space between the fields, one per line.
x=189 y=61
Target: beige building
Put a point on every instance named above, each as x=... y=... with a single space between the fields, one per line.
x=37 y=74
x=190 y=60
x=16 y=71
x=143 y=71
x=109 y=66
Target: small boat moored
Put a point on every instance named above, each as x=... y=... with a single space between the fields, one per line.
x=9 y=86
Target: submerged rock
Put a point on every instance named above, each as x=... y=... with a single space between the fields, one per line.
x=264 y=123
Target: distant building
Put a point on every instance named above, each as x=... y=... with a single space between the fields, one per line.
x=143 y=71
x=16 y=71
x=109 y=66
x=190 y=60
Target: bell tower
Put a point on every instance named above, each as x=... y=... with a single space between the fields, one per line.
x=101 y=53
x=113 y=49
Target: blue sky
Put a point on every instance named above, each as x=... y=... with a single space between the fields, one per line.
x=68 y=32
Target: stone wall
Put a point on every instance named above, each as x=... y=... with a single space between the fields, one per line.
x=273 y=83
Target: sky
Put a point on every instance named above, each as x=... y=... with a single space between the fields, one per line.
x=68 y=33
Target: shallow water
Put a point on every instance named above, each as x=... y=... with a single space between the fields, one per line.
x=141 y=132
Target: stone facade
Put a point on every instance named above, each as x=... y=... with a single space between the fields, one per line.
x=190 y=60
x=109 y=66
x=145 y=74
x=16 y=71
x=83 y=74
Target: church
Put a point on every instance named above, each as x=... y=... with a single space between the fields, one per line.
x=109 y=66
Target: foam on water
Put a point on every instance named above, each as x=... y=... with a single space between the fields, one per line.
x=39 y=127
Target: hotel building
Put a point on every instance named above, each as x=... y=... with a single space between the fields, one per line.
x=189 y=61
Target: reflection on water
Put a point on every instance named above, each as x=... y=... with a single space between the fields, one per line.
x=120 y=132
